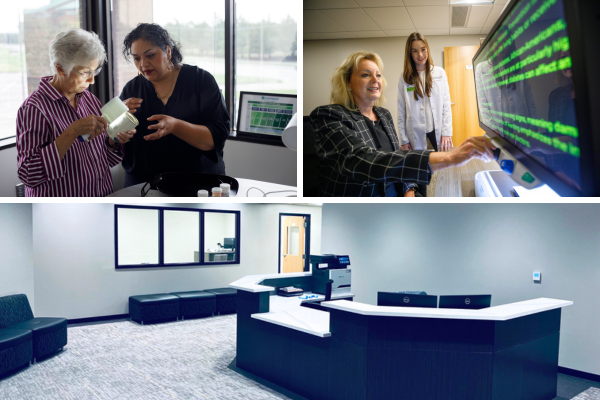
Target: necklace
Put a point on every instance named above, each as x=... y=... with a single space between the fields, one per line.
x=172 y=86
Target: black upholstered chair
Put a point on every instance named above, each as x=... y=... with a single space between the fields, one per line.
x=16 y=349
x=154 y=307
x=226 y=299
x=48 y=334
x=196 y=304
x=310 y=160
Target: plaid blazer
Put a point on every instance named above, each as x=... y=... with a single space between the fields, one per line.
x=351 y=165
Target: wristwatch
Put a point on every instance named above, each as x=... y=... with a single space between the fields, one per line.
x=114 y=147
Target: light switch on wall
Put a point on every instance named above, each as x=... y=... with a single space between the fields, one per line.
x=537 y=277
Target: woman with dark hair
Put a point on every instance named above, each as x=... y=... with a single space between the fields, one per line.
x=183 y=119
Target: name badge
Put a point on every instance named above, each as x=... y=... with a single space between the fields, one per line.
x=411 y=88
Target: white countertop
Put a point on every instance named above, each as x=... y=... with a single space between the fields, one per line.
x=496 y=313
x=246 y=189
x=287 y=311
x=250 y=283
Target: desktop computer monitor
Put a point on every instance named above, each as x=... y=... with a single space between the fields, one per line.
x=538 y=93
x=229 y=243
x=406 y=300
x=469 y=302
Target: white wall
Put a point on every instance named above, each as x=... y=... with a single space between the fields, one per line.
x=75 y=275
x=260 y=162
x=479 y=248
x=321 y=57
x=16 y=256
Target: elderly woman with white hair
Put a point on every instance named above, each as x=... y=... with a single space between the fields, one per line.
x=54 y=156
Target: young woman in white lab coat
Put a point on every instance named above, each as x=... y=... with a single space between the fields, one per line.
x=423 y=100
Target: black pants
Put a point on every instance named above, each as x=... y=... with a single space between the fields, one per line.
x=432 y=139
x=422 y=189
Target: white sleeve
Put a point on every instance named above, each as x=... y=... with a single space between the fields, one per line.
x=402 y=113
x=446 y=108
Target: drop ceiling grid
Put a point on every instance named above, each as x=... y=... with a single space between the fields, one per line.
x=340 y=19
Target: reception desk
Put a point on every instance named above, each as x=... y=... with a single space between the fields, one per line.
x=361 y=351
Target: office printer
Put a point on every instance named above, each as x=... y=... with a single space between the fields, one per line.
x=334 y=267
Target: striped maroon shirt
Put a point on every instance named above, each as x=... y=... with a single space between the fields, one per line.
x=85 y=168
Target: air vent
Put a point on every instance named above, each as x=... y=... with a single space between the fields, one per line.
x=459 y=16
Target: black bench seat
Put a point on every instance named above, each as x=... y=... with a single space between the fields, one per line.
x=154 y=307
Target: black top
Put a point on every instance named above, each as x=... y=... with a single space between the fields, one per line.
x=196 y=99
x=384 y=141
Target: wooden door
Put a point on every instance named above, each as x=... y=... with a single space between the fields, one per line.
x=459 y=68
x=292 y=237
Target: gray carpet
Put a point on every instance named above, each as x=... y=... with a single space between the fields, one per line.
x=590 y=394
x=169 y=361
x=127 y=361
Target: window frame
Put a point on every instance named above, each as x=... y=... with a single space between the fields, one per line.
x=96 y=16
x=307 y=266
x=161 y=237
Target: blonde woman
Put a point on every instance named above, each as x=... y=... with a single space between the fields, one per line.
x=423 y=100
x=358 y=149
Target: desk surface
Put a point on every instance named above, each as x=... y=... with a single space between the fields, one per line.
x=497 y=313
x=251 y=283
x=458 y=182
x=245 y=190
x=288 y=312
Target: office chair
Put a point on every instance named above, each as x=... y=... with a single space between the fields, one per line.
x=311 y=161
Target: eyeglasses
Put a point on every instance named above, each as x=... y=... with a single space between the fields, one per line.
x=88 y=74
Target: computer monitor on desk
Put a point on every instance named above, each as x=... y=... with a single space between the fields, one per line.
x=537 y=96
x=229 y=243
x=395 y=299
x=469 y=302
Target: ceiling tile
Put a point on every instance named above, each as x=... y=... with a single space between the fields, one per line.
x=352 y=19
x=435 y=32
x=399 y=32
x=464 y=31
x=315 y=21
x=368 y=34
x=379 y=3
x=478 y=16
x=486 y=30
x=313 y=36
x=501 y=1
x=494 y=14
x=309 y=4
x=339 y=35
x=426 y=2
x=326 y=4
x=430 y=17
x=390 y=17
